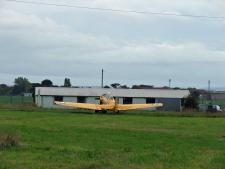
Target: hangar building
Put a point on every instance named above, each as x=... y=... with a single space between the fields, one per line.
x=172 y=99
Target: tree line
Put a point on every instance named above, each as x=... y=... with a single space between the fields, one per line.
x=142 y=86
x=23 y=85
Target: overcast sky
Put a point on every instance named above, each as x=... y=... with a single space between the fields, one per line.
x=52 y=42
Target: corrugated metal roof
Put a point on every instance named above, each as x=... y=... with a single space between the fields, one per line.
x=155 y=93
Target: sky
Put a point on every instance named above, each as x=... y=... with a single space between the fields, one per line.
x=40 y=42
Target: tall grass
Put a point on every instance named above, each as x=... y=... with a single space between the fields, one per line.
x=9 y=140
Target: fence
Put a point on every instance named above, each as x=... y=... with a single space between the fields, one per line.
x=219 y=102
x=15 y=100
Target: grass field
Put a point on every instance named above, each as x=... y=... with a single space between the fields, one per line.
x=65 y=140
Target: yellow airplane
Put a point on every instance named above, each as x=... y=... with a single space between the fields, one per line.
x=108 y=103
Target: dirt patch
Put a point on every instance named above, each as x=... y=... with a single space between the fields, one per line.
x=9 y=140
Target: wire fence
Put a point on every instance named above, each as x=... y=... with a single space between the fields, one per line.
x=15 y=99
x=219 y=102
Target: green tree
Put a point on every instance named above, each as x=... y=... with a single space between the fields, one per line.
x=192 y=100
x=22 y=85
x=4 y=89
x=142 y=86
x=115 y=85
x=67 y=82
x=34 y=85
x=46 y=83
x=124 y=87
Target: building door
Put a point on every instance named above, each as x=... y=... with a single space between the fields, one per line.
x=81 y=99
x=128 y=100
x=150 y=100
x=58 y=98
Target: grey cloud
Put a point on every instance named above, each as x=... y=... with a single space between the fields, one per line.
x=131 y=49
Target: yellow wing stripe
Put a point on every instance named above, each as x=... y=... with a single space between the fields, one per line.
x=85 y=106
x=137 y=106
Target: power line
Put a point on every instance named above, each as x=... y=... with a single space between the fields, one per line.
x=117 y=10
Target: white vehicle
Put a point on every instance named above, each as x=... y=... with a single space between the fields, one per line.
x=217 y=108
x=214 y=108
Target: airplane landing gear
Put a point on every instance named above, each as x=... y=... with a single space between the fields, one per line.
x=117 y=112
x=100 y=111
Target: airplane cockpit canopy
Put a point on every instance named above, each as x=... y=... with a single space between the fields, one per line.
x=107 y=96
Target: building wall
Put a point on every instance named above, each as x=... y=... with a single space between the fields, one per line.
x=141 y=101
x=48 y=101
x=37 y=101
x=93 y=100
x=70 y=99
x=169 y=104
x=120 y=100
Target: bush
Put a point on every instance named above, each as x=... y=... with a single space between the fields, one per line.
x=191 y=102
x=9 y=140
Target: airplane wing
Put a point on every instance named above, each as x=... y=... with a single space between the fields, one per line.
x=85 y=105
x=137 y=106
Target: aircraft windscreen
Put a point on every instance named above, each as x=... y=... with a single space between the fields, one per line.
x=107 y=96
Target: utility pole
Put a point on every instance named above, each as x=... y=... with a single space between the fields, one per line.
x=102 y=83
x=209 y=89
x=209 y=86
x=170 y=81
